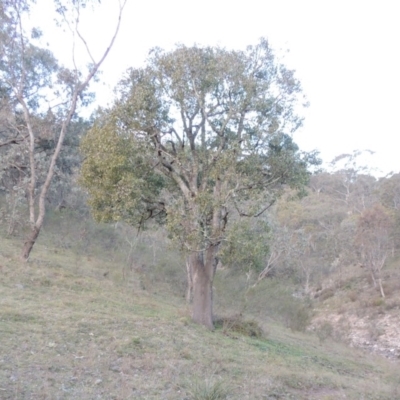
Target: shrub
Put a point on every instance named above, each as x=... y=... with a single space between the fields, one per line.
x=325 y=331
x=353 y=296
x=297 y=316
x=239 y=325
x=377 y=302
x=326 y=294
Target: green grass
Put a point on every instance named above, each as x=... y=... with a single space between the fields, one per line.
x=69 y=332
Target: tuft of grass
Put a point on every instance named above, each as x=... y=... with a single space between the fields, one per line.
x=208 y=389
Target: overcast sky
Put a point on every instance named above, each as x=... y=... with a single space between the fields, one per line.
x=345 y=52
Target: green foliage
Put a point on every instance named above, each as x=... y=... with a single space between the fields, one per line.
x=26 y=72
x=197 y=135
x=295 y=314
x=238 y=324
x=25 y=68
x=122 y=185
x=246 y=246
x=389 y=192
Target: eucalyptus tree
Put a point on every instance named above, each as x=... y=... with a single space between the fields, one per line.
x=35 y=82
x=374 y=242
x=198 y=134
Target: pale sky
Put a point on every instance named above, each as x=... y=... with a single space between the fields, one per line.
x=346 y=54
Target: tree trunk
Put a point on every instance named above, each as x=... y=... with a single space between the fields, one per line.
x=189 y=289
x=29 y=243
x=373 y=277
x=381 y=287
x=203 y=274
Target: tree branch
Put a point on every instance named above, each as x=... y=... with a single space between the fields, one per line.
x=14 y=141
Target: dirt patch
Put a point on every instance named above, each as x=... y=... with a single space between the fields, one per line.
x=379 y=335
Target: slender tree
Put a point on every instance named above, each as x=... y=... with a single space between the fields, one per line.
x=373 y=241
x=197 y=135
x=32 y=77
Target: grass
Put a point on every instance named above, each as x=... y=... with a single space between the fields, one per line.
x=207 y=390
x=67 y=331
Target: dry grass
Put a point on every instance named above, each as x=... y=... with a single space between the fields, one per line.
x=69 y=332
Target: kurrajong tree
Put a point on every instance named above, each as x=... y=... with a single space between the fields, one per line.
x=197 y=135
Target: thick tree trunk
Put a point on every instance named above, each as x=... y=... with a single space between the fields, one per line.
x=29 y=243
x=203 y=274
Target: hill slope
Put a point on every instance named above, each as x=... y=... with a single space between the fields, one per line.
x=70 y=330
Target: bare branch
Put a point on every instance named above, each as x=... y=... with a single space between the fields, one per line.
x=14 y=141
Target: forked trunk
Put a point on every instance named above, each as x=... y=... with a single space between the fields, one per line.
x=203 y=274
x=29 y=243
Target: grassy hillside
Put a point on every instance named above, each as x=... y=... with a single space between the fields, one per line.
x=76 y=326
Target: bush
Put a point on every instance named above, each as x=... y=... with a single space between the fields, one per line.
x=353 y=296
x=376 y=302
x=296 y=315
x=326 y=294
x=239 y=325
x=325 y=331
